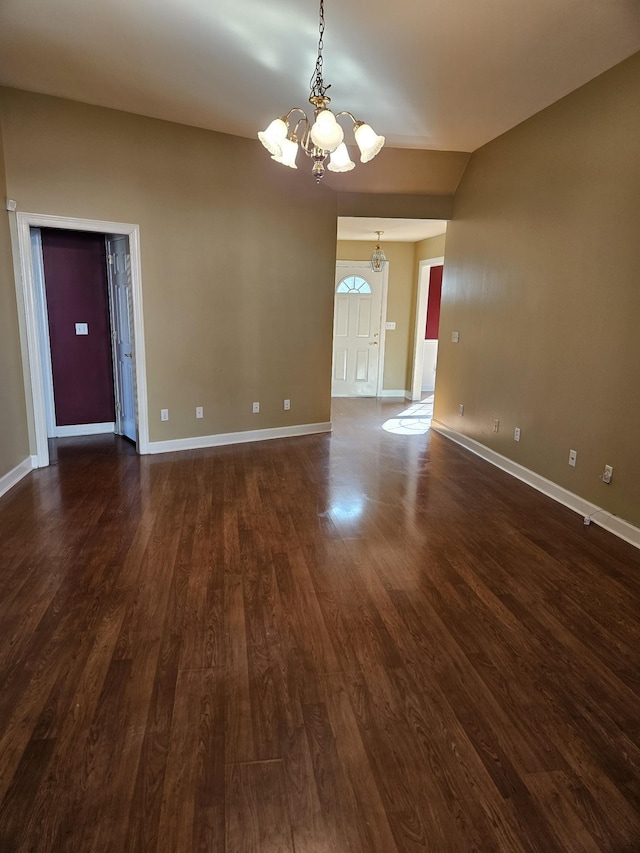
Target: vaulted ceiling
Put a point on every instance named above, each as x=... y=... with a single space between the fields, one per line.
x=446 y=75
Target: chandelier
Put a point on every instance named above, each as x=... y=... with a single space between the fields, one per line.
x=324 y=137
x=378 y=258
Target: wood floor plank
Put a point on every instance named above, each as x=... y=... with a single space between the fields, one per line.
x=192 y=814
x=258 y=819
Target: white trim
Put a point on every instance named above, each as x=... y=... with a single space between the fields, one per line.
x=383 y=317
x=422 y=297
x=403 y=393
x=201 y=441
x=589 y=511
x=40 y=292
x=11 y=478
x=26 y=286
x=84 y=429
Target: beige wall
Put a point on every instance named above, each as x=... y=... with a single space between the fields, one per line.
x=14 y=444
x=432 y=247
x=238 y=257
x=399 y=304
x=542 y=281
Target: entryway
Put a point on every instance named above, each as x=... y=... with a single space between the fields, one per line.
x=114 y=330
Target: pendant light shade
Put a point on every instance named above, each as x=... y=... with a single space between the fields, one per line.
x=273 y=136
x=340 y=161
x=326 y=133
x=368 y=142
x=289 y=149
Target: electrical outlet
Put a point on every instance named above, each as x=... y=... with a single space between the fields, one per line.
x=573 y=458
x=608 y=474
x=287 y=405
x=199 y=412
x=455 y=337
x=164 y=414
x=461 y=409
x=256 y=408
x=516 y=434
x=496 y=424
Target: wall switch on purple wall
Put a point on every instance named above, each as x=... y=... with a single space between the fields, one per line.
x=82 y=328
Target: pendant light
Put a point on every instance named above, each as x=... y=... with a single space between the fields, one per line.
x=378 y=258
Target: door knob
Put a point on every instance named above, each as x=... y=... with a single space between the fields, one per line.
x=373 y=343
x=128 y=355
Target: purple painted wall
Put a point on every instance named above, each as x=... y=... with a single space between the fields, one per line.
x=433 y=304
x=76 y=285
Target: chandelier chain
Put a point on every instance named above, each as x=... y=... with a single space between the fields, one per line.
x=317 y=85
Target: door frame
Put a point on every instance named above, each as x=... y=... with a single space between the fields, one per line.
x=28 y=303
x=383 y=314
x=422 y=299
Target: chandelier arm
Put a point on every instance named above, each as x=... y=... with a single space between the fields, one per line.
x=294 y=110
x=304 y=121
x=347 y=113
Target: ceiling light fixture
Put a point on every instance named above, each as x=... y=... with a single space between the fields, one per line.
x=378 y=258
x=325 y=137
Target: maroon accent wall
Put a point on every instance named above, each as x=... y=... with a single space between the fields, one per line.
x=433 y=304
x=76 y=285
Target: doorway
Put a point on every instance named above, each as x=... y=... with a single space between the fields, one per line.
x=82 y=293
x=420 y=342
x=358 y=329
x=129 y=299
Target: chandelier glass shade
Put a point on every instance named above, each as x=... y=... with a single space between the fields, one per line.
x=378 y=257
x=323 y=136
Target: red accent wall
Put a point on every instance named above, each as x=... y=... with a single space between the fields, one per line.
x=76 y=285
x=433 y=304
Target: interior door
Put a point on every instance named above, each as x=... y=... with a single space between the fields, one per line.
x=119 y=266
x=356 y=331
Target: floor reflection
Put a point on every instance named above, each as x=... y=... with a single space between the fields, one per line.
x=416 y=420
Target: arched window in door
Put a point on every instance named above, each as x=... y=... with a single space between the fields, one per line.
x=353 y=284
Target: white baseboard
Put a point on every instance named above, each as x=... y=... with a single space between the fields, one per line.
x=618 y=526
x=84 y=429
x=11 y=478
x=202 y=441
x=405 y=394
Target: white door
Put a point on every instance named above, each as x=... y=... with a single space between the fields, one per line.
x=357 y=321
x=119 y=264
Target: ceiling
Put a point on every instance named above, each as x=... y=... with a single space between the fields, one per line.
x=445 y=75
x=395 y=230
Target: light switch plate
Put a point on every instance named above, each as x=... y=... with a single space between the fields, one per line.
x=455 y=337
x=390 y=325
x=82 y=328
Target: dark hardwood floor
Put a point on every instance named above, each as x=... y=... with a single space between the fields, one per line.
x=355 y=642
